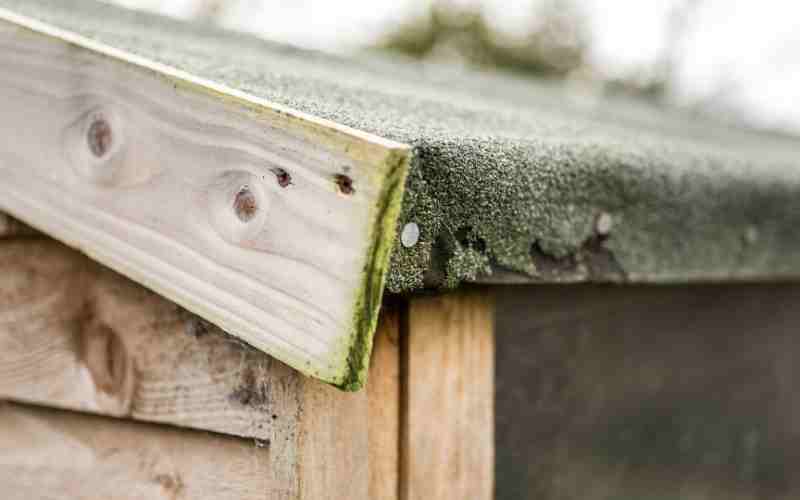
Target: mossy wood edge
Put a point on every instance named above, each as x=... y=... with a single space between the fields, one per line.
x=376 y=169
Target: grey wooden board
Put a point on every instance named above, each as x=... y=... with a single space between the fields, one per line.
x=648 y=393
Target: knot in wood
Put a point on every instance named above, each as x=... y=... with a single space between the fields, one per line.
x=245 y=204
x=100 y=137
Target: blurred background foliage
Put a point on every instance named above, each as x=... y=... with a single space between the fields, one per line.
x=555 y=45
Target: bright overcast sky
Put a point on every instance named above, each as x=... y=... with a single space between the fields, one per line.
x=745 y=55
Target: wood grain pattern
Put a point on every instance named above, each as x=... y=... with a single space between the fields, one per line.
x=271 y=225
x=348 y=444
x=76 y=335
x=448 y=421
x=384 y=393
x=50 y=454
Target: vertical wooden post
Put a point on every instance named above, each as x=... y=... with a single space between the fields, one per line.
x=383 y=392
x=349 y=441
x=447 y=435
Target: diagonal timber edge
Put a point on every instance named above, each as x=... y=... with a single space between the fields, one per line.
x=210 y=282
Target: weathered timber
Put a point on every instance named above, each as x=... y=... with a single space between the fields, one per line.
x=384 y=393
x=79 y=336
x=447 y=434
x=49 y=454
x=274 y=225
x=648 y=393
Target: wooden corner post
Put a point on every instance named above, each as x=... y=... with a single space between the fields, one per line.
x=447 y=436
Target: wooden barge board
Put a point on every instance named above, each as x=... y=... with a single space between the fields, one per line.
x=271 y=223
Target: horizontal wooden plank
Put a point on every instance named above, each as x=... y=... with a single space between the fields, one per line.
x=76 y=335
x=48 y=454
x=271 y=224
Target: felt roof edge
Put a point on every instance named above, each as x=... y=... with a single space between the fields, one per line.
x=512 y=180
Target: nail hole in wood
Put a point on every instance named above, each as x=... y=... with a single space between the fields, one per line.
x=245 y=204
x=345 y=184
x=283 y=177
x=100 y=137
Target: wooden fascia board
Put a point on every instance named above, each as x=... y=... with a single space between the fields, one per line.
x=274 y=224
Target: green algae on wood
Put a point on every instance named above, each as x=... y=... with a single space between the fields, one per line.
x=368 y=304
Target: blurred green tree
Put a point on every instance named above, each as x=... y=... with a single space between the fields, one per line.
x=555 y=45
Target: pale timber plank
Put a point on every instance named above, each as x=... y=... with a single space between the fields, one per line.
x=50 y=454
x=78 y=336
x=272 y=224
x=447 y=437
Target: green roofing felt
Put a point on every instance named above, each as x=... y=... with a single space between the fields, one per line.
x=513 y=177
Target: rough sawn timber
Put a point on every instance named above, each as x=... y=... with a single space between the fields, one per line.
x=50 y=454
x=272 y=224
x=447 y=436
x=76 y=335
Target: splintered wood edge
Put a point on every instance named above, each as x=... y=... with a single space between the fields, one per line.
x=391 y=160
